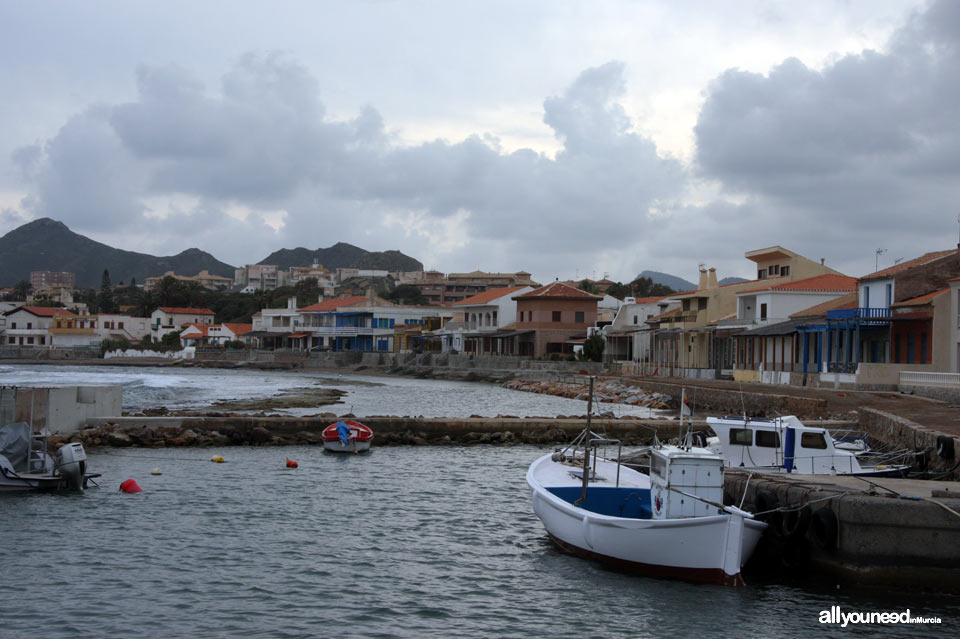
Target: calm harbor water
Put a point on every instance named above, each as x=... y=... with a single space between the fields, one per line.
x=400 y=542
x=198 y=388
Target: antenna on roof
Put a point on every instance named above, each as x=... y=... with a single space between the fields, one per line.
x=897 y=261
x=876 y=266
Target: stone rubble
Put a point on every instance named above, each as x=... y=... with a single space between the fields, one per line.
x=605 y=391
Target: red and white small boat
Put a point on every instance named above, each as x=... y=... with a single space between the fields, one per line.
x=347 y=437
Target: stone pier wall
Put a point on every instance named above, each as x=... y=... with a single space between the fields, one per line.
x=900 y=432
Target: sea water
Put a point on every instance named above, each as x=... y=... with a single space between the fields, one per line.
x=398 y=542
x=366 y=395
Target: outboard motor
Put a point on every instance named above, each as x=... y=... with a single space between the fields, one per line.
x=72 y=464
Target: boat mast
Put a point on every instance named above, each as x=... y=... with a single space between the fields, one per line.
x=586 y=449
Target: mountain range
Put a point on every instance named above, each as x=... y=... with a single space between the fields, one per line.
x=679 y=284
x=48 y=245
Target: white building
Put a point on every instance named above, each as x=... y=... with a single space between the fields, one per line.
x=485 y=316
x=627 y=338
x=167 y=319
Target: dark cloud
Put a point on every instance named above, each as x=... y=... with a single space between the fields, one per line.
x=865 y=147
x=263 y=143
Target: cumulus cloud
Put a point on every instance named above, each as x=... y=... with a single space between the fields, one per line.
x=866 y=148
x=264 y=142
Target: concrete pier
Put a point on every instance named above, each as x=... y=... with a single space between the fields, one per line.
x=892 y=532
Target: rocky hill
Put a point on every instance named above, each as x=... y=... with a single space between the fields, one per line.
x=48 y=245
x=343 y=255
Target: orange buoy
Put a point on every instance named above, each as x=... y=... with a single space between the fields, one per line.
x=131 y=486
x=292 y=464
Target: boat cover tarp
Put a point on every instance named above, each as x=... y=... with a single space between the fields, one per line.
x=343 y=432
x=15 y=445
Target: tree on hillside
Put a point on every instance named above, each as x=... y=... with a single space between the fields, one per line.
x=588 y=287
x=21 y=290
x=105 y=302
x=408 y=295
x=640 y=287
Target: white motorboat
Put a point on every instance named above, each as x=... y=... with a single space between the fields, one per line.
x=671 y=523
x=786 y=445
x=25 y=463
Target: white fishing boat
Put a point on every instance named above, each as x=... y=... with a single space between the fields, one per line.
x=25 y=463
x=786 y=445
x=671 y=523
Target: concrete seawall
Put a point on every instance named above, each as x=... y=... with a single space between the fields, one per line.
x=896 y=532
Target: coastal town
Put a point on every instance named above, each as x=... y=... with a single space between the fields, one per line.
x=799 y=322
x=485 y=319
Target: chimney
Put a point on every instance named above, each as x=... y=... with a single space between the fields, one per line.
x=703 y=279
x=320 y=298
x=371 y=295
x=291 y=303
x=712 y=279
x=822 y=260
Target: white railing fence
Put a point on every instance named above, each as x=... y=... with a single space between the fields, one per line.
x=916 y=378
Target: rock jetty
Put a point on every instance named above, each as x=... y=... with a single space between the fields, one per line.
x=252 y=430
x=606 y=391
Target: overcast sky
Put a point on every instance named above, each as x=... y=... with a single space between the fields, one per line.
x=569 y=139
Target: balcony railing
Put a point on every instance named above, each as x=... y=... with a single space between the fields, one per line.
x=882 y=314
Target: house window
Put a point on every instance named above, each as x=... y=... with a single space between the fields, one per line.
x=121 y=325
x=768 y=439
x=29 y=325
x=43 y=339
x=762 y=274
x=634 y=319
x=556 y=316
x=701 y=303
x=763 y=311
x=889 y=294
x=923 y=348
x=578 y=317
x=775 y=270
x=686 y=305
x=13 y=325
x=813 y=440
x=29 y=340
x=784 y=271
x=866 y=297
x=11 y=340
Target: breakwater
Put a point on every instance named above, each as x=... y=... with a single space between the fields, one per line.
x=256 y=430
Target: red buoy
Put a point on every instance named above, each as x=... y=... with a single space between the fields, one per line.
x=292 y=464
x=131 y=486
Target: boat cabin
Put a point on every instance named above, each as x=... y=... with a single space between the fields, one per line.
x=783 y=444
x=694 y=471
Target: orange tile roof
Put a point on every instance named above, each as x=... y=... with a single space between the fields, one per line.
x=239 y=329
x=186 y=311
x=828 y=282
x=926 y=258
x=45 y=311
x=922 y=299
x=202 y=328
x=650 y=300
x=334 y=304
x=558 y=290
x=820 y=310
x=489 y=296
